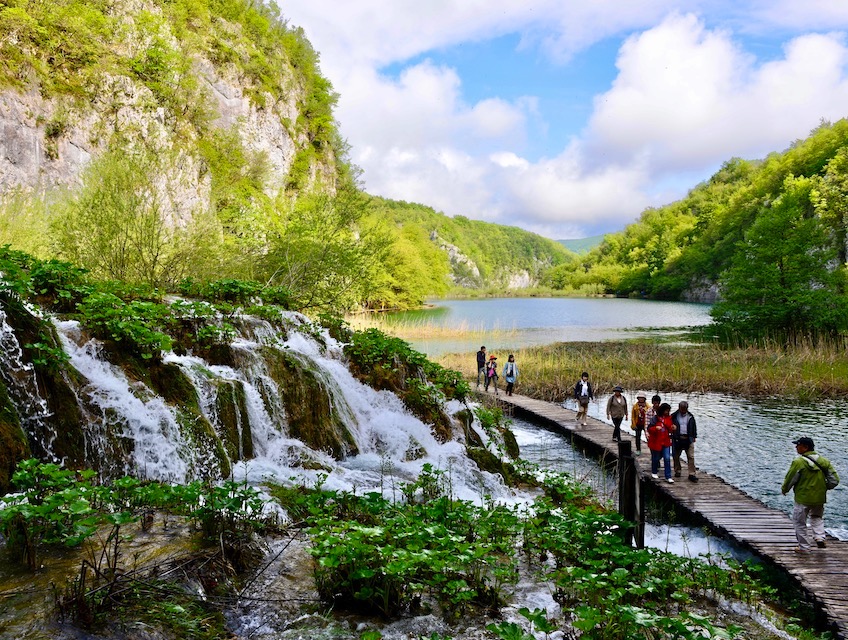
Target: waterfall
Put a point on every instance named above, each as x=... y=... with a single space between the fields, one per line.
x=129 y=411
x=239 y=424
x=19 y=377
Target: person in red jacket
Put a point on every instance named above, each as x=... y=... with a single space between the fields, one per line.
x=659 y=441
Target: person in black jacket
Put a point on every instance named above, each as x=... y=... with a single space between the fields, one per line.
x=583 y=393
x=481 y=365
x=684 y=439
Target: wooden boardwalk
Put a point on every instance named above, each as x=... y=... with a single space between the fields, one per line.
x=726 y=510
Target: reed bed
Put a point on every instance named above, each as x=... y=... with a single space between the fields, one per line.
x=421 y=329
x=801 y=371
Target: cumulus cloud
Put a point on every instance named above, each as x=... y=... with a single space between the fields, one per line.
x=686 y=97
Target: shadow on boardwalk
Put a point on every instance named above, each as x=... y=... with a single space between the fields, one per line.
x=726 y=510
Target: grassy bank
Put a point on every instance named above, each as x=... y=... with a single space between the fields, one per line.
x=802 y=372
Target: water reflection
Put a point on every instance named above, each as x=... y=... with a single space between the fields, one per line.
x=537 y=321
x=749 y=444
x=552 y=451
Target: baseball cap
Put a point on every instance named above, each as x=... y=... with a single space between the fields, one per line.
x=807 y=442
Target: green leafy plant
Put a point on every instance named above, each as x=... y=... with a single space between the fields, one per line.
x=48 y=356
x=135 y=324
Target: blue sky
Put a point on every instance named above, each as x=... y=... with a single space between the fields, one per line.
x=570 y=118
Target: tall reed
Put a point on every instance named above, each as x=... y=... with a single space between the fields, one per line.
x=803 y=371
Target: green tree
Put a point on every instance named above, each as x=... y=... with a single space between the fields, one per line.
x=781 y=283
x=24 y=221
x=320 y=249
x=120 y=224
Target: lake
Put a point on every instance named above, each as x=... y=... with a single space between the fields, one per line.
x=523 y=322
x=748 y=442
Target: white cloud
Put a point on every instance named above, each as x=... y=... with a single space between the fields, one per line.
x=686 y=98
x=798 y=16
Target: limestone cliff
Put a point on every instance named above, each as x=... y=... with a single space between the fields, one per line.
x=166 y=82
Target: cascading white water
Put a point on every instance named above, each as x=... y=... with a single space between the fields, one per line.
x=159 y=450
x=384 y=430
x=19 y=377
x=145 y=436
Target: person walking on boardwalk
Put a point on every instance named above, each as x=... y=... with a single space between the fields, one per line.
x=809 y=476
x=651 y=413
x=685 y=433
x=510 y=374
x=583 y=393
x=492 y=373
x=481 y=365
x=616 y=411
x=638 y=419
x=659 y=441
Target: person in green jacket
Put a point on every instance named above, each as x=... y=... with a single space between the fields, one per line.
x=806 y=477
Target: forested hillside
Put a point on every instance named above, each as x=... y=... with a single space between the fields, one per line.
x=171 y=142
x=473 y=254
x=768 y=238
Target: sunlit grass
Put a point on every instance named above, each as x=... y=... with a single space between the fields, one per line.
x=802 y=371
x=422 y=329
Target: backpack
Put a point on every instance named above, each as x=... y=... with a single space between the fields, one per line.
x=831 y=480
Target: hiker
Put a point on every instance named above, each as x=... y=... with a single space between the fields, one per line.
x=492 y=373
x=685 y=433
x=616 y=411
x=637 y=419
x=481 y=365
x=810 y=476
x=510 y=373
x=583 y=394
x=659 y=441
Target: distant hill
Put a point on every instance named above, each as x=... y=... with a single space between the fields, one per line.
x=582 y=246
x=480 y=254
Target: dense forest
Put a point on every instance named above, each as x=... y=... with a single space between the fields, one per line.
x=766 y=238
x=178 y=190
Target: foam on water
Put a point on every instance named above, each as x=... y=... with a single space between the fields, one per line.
x=159 y=450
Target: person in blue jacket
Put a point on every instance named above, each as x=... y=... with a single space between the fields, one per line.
x=510 y=374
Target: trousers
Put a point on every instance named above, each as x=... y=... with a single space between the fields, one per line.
x=799 y=518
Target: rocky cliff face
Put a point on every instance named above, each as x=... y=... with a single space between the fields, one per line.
x=46 y=142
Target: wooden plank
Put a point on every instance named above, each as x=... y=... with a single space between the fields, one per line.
x=727 y=510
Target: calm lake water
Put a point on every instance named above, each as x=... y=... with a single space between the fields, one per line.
x=521 y=322
x=745 y=441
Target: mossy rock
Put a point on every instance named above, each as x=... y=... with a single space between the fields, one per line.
x=13 y=442
x=466 y=419
x=488 y=461
x=310 y=414
x=510 y=443
x=233 y=419
x=205 y=444
x=170 y=381
x=63 y=426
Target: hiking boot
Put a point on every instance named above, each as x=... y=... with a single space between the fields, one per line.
x=821 y=544
x=693 y=478
x=676 y=474
x=802 y=551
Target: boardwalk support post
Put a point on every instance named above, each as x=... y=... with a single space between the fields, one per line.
x=630 y=501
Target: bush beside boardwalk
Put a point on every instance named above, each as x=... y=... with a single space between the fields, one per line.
x=804 y=372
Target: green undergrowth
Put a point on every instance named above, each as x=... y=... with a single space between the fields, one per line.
x=57 y=507
x=428 y=551
x=386 y=362
x=62 y=507
x=135 y=320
